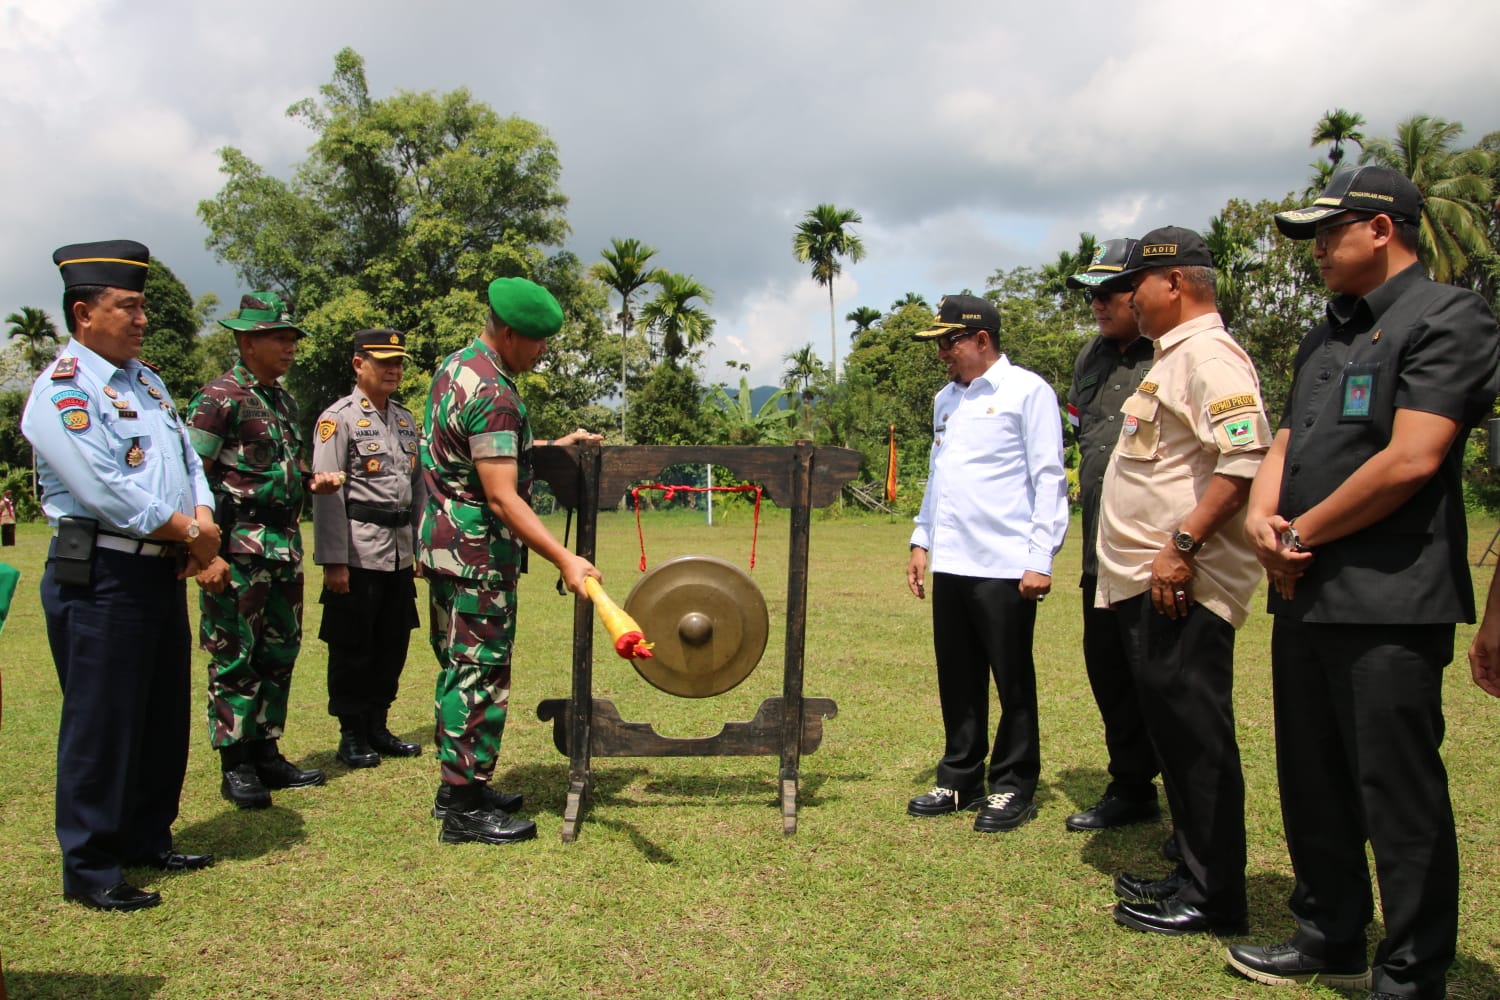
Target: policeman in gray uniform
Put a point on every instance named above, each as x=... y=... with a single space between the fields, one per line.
x=364 y=537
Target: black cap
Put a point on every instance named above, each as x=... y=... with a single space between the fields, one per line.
x=381 y=344
x=1169 y=246
x=1109 y=260
x=111 y=263
x=962 y=312
x=1378 y=190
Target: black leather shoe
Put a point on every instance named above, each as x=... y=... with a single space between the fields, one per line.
x=278 y=772
x=242 y=786
x=1128 y=886
x=1112 y=811
x=388 y=744
x=484 y=826
x=1283 y=965
x=941 y=801
x=506 y=802
x=1004 y=811
x=1173 y=916
x=354 y=752
x=176 y=861
x=120 y=897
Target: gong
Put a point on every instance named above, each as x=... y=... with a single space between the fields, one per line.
x=707 y=621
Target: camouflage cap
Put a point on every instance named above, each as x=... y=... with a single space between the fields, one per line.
x=262 y=312
x=525 y=307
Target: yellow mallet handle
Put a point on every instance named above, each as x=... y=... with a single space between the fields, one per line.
x=630 y=642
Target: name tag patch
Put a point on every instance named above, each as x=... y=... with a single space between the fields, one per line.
x=1231 y=404
x=1357 y=392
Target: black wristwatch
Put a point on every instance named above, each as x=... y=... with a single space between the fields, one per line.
x=1186 y=543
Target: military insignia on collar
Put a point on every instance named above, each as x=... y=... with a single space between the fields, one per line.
x=364 y=404
x=372 y=465
x=362 y=422
x=326 y=429
x=1375 y=337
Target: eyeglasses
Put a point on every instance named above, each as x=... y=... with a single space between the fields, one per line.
x=945 y=341
x=1320 y=234
x=1092 y=295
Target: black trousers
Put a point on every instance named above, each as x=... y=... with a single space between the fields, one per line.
x=1185 y=672
x=1359 y=720
x=1132 y=760
x=368 y=631
x=122 y=651
x=982 y=628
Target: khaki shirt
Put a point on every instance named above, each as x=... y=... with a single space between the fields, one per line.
x=1197 y=414
x=378 y=452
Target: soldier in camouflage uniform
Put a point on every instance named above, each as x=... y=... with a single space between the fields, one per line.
x=365 y=538
x=476 y=526
x=244 y=426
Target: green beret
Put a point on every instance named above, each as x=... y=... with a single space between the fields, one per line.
x=525 y=307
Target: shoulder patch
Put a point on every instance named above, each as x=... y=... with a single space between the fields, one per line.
x=1148 y=387
x=66 y=368
x=326 y=429
x=1232 y=404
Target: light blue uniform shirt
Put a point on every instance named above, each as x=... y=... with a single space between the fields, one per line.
x=84 y=427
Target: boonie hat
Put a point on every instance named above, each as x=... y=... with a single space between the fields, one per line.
x=1169 y=246
x=962 y=312
x=1378 y=190
x=1109 y=260
x=111 y=263
x=262 y=312
x=525 y=307
x=381 y=344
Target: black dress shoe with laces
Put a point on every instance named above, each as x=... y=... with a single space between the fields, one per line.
x=1284 y=965
x=176 y=861
x=1128 y=886
x=242 y=786
x=1112 y=811
x=1003 y=811
x=121 y=897
x=355 y=752
x=506 y=802
x=277 y=772
x=941 y=801
x=1173 y=916
x=470 y=821
x=388 y=744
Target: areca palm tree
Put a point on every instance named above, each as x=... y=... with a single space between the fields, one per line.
x=625 y=271
x=863 y=318
x=1322 y=173
x=1338 y=127
x=38 y=335
x=802 y=369
x=1456 y=189
x=909 y=299
x=674 y=316
x=822 y=238
x=1235 y=256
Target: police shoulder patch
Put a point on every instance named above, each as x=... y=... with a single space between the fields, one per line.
x=326 y=429
x=66 y=368
x=1232 y=404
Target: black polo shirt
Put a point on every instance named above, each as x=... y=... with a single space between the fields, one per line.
x=1410 y=344
x=1103 y=378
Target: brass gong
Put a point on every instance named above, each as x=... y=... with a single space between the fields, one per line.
x=708 y=622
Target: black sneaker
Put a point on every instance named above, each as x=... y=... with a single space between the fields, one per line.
x=506 y=802
x=941 y=801
x=1284 y=965
x=484 y=826
x=243 y=787
x=1004 y=811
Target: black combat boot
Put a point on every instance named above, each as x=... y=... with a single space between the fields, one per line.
x=385 y=742
x=470 y=821
x=241 y=784
x=506 y=802
x=277 y=772
x=354 y=749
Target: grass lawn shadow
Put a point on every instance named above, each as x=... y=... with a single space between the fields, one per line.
x=80 y=986
x=242 y=834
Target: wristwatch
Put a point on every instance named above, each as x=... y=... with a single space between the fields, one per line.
x=1185 y=543
x=1290 y=539
x=193 y=531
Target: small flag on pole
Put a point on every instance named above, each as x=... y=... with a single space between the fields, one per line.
x=890 y=469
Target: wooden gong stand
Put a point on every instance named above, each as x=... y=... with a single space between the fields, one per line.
x=799 y=477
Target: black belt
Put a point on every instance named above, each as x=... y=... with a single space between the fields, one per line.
x=386 y=517
x=284 y=518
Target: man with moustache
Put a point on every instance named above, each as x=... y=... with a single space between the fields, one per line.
x=1358 y=517
x=1107 y=372
x=1174 y=565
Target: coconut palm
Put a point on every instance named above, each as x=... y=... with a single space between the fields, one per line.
x=624 y=271
x=1456 y=188
x=822 y=238
x=674 y=317
x=1338 y=127
x=38 y=334
x=863 y=318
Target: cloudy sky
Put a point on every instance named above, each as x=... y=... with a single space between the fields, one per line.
x=971 y=136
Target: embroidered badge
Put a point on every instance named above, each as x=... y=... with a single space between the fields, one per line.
x=326 y=429
x=1149 y=388
x=1240 y=432
x=1357 y=391
x=76 y=421
x=70 y=399
x=1131 y=425
x=372 y=465
x=1231 y=403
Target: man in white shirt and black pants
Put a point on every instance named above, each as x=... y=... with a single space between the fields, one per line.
x=994 y=514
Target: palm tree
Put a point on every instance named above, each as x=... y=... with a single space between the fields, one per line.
x=802 y=369
x=1338 y=127
x=38 y=335
x=863 y=318
x=1455 y=186
x=1322 y=173
x=624 y=271
x=822 y=238
x=909 y=299
x=672 y=314
x=1235 y=256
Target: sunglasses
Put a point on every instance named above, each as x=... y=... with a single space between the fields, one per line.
x=1092 y=295
x=946 y=341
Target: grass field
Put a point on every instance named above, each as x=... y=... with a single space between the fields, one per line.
x=681 y=883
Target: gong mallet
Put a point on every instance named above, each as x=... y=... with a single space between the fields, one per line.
x=630 y=642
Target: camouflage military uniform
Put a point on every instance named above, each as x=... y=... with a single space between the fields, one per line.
x=469 y=558
x=253 y=630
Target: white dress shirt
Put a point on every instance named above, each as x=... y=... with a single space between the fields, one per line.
x=997 y=497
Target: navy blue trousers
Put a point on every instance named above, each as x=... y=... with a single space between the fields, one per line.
x=123 y=650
